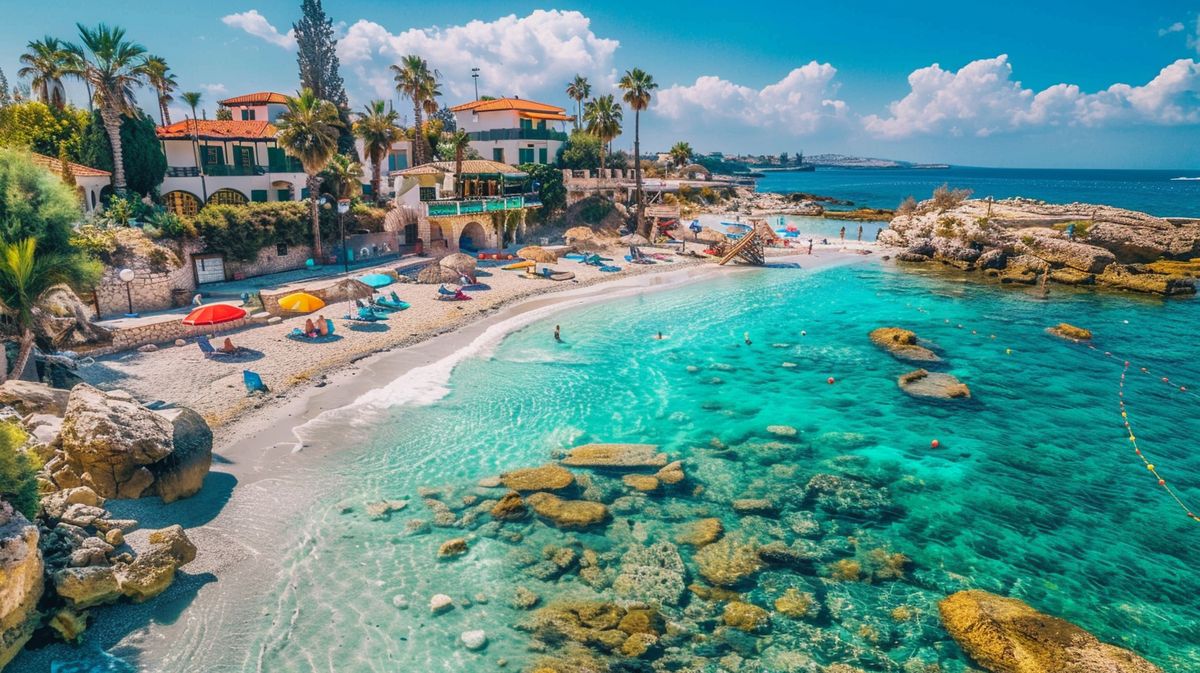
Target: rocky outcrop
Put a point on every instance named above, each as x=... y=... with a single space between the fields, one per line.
x=1004 y=635
x=1069 y=331
x=1020 y=241
x=933 y=385
x=21 y=581
x=902 y=344
x=120 y=449
x=152 y=571
x=544 y=478
x=615 y=456
x=571 y=514
x=27 y=398
x=653 y=574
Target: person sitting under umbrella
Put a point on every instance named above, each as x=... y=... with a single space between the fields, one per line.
x=228 y=346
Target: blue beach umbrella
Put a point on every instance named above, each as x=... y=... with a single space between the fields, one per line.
x=377 y=280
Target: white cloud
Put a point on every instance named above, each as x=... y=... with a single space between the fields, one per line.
x=257 y=25
x=1176 y=27
x=800 y=103
x=530 y=55
x=1193 y=41
x=982 y=99
x=215 y=89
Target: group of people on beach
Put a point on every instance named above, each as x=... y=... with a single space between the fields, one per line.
x=842 y=234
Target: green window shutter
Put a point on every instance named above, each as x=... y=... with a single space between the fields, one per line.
x=244 y=156
x=284 y=195
x=366 y=189
x=543 y=155
x=526 y=124
x=212 y=155
x=498 y=154
x=304 y=193
x=258 y=195
x=276 y=159
x=525 y=155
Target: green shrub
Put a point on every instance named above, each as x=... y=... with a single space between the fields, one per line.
x=18 y=470
x=945 y=198
x=595 y=210
x=239 y=232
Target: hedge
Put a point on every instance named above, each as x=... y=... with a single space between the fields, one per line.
x=239 y=232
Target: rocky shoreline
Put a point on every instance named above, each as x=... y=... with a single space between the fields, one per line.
x=751 y=203
x=1029 y=242
x=74 y=555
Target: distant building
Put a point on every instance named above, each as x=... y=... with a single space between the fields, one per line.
x=263 y=106
x=92 y=184
x=471 y=211
x=226 y=162
x=399 y=157
x=514 y=130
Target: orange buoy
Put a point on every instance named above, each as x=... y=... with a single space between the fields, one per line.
x=935 y=444
x=829 y=380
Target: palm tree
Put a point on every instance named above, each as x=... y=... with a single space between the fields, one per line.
x=461 y=142
x=603 y=117
x=25 y=280
x=112 y=67
x=343 y=177
x=378 y=129
x=579 y=89
x=681 y=154
x=638 y=86
x=45 y=62
x=192 y=98
x=308 y=130
x=163 y=80
x=415 y=80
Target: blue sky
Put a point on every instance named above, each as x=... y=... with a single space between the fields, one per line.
x=1097 y=84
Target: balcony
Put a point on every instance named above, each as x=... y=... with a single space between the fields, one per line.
x=229 y=170
x=518 y=134
x=493 y=204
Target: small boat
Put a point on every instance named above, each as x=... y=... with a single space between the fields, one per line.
x=523 y=264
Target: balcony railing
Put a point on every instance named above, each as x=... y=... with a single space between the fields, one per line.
x=486 y=205
x=519 y=134
x=229 y=170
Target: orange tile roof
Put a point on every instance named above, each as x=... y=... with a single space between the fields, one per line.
x=211 y=129
x=79 y=170
x=519 y=104
x=259 y=98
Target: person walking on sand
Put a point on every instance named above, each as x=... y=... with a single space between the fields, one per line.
x=842 y=234
x=860 y=233
x=557 y=334
x=810 y=246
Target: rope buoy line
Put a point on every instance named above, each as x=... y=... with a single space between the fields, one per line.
x=1175 y=388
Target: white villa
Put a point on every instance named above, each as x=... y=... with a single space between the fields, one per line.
x=480 y=209
x=263 y=106
x=513 y=130
x=92 y=185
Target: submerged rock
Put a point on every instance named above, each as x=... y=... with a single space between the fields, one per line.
x=1005 y=635
x=797 y=604
x=544 y=478
x=701 y=532
x=474 y=640
x=653 y=574
x=440 y=603
x=902 y=345
x=574 y=514
x=933 y=385
x=746 y=617
x=728 y=562
x=846 y=496
x=671 y=474
x=615 y=456
x=453 y=548
x=510 y=507
x=1069 y=331
x=641 y=482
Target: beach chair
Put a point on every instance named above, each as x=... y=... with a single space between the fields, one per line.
x=254 y=382
x=391 y=304
x=209 y=351
x=366 y=315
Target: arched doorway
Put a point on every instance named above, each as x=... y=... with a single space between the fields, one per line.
x=227 y=197
x=473 y=237
x=281 y=190
x=184 y=204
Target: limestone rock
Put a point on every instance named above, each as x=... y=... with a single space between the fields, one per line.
x=28 y=398
x=524 y=599
x=474 y=640
x=21 y=581
x=69 y=624
x=152 y=571
x=381 y=510
x=571 y=514
x=544 y=478
x=653 y=574
x=453 y=548
x=510 y=507
x=701 y=532
x=85 y=587
x=56 y=504
x=728 y=561
x=1069 y=331
x=933 y=385
x=615 y=456
x=1141 y=279
x=641 y=482
x=754 y=506
x=1005 y=635
x=902 y=344
x=745 y=617
x=1071 y=254
x=440 y=603
x=796 y=604
x=671 y=474
x=181 y=473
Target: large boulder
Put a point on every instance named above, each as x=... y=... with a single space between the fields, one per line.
x=571 y=514
x=120 y=449
x=181 y=473
x=544 y=478
x=1004 y=635
x=1071 y=254
x=933 y=385
x=902 y=344
x=21 y=582
x=1146 y=239
x=33 y=398
x=1140 y=279
x=85 y=587
x=153 y=570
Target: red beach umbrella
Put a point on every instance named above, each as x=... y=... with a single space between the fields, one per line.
x=214 y=314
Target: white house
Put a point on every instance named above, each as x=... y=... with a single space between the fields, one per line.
x=399 y=157
x=91 y=184
x=230 y=162
x=514 y=130
x=262 y=106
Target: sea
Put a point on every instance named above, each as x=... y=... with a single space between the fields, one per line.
x=1165 y=193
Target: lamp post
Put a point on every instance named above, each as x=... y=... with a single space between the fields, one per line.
x=126 y=276
x=343 y=205
x=475 y=76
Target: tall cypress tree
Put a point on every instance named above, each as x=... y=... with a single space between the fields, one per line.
x=5 y=96
x=317 y=57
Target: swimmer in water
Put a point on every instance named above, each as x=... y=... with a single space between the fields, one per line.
x=660 y=336
x=557 y=334
x=746 y=336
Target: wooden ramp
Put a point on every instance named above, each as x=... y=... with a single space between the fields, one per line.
x=749 y=249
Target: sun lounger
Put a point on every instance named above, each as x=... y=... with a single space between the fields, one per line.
x=209 y=351
x=392 y=303
x=446 y=294
x=254 y=382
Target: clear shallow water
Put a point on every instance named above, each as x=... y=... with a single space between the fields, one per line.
x=1034 y=492
x=1153 y=192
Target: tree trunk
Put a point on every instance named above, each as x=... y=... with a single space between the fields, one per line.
x=600 y=175
x=418 y=136
x=22 y=354
x=112 y=126
x=316 y=218
x=377 y=180
x=637 y=172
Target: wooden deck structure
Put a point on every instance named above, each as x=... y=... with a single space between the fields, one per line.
x=749 y=249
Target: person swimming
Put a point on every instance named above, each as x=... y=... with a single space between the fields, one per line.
x=746 y=337
x=557 y=334
x=660 y=336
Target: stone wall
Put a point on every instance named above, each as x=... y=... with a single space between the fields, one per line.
x=150 y=290
x=165 y=331
x=269 y=261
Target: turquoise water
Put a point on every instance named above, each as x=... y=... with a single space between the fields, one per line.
x=1153 y=192
x=1033 y=492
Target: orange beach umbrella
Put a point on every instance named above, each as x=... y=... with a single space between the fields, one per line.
x=301 y=302
x=214 y=314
